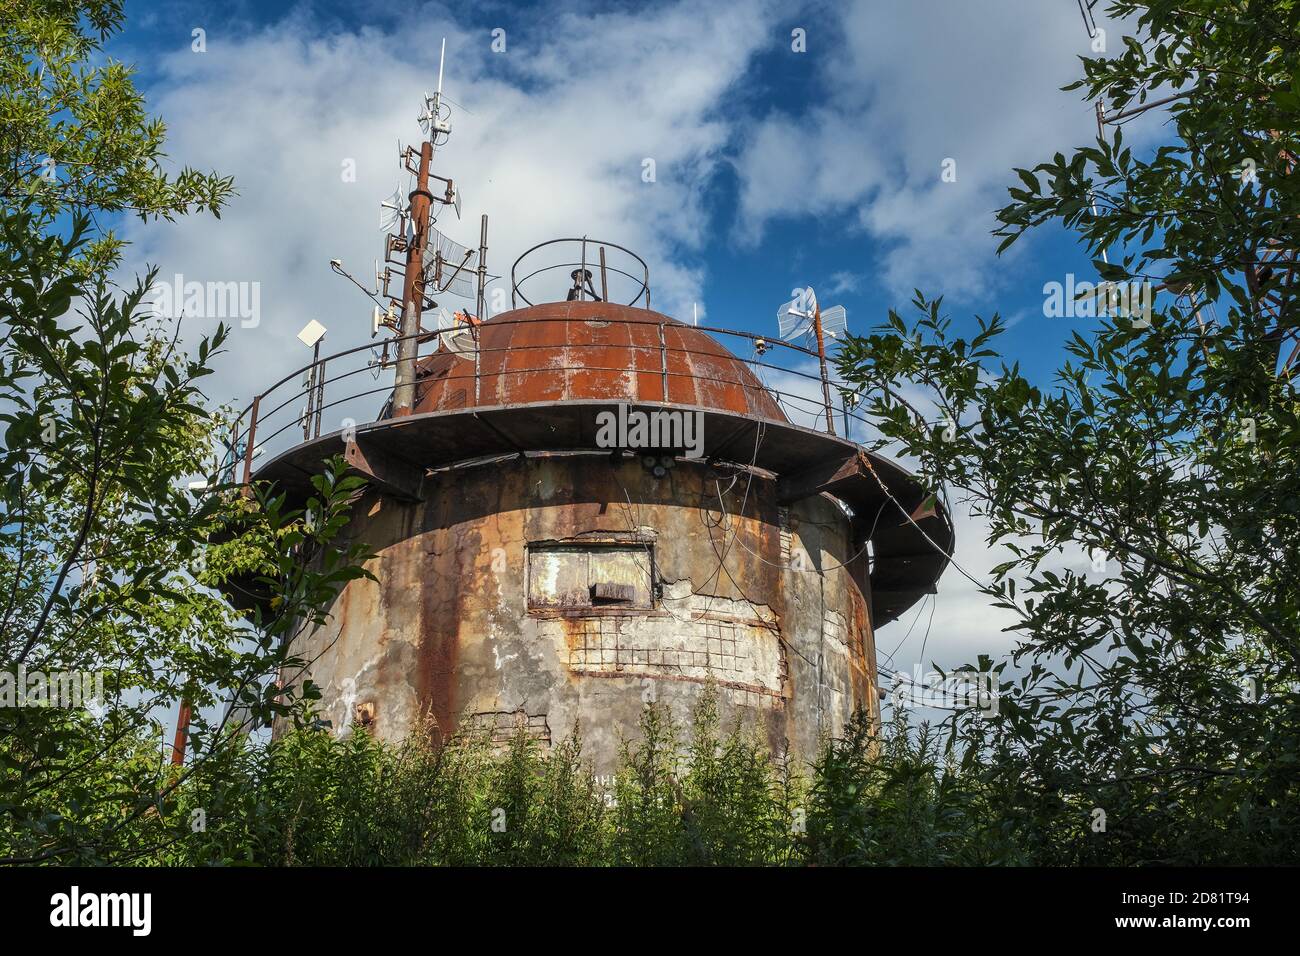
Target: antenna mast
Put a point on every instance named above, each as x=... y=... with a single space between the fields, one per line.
x=821 y=359
x=421 y=202
x=801 y=317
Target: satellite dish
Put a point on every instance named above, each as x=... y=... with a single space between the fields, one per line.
x=461 y=343
x=835 y=321
x=391 y=211
x=795 y=319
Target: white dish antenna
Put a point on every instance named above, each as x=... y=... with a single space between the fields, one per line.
x=391 y=211
x=835 y=321
x=795 y=319
x=461 y=343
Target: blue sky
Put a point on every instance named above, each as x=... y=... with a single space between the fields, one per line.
x=774 y=168
x=746 y=268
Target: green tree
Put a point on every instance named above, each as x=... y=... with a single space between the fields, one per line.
x=109 y=570
x=74 y=129
x=1161 y=692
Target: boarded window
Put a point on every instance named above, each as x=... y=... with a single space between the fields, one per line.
x=578 y=576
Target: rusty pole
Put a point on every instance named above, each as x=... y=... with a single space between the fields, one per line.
x=482 y=288
x=482 y=265
x=320 y=393
x=413 y=288
x=310 y=415
x=821 y=358
x=182 y=732
x=248 y=447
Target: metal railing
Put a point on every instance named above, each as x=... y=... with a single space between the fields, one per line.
x=282 y=416
x=591 y=256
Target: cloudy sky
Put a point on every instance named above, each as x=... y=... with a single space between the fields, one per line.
x=774 y=167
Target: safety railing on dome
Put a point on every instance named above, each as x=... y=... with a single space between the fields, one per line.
x=285 y=415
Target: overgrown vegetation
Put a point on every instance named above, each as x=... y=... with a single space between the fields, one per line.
x=110 y=608
x=1157 y=698
x=699 y=795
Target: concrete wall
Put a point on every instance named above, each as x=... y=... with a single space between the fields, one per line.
x=767 y=613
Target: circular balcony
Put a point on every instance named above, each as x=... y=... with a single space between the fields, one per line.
x=534 y=380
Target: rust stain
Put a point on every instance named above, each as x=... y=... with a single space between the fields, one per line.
x=440 y=615
x=593 y=351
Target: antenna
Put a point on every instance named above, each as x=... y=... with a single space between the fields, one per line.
x=1089 y=21
x=835 y=321
x=802 y=318
x=442 y=58
x=391 y=211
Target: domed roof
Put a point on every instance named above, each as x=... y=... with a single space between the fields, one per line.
x=590 y=351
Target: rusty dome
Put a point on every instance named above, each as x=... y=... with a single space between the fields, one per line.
x=592 y=351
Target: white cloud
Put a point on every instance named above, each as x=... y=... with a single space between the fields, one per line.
x=910 y=86
x=551 y=142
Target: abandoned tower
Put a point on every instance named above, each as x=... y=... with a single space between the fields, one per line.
x=581 y=505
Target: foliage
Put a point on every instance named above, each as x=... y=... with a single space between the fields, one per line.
x=1162 y=692
x=687 y=798
x=108 y=565
x=109 y=570
x=73 y=129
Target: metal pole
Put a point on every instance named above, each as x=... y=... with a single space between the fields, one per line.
x=234 y=453
x=821 y=359
x=604 y=284
x=320 y=394
x=310 y=416
x=413 y=289
x=248 y=448
x=482 y=303
x=663 y=358
x=482 y=265
x=582 y=276
x=182 y=733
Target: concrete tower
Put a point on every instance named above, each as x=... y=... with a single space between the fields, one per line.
x=543 y=560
